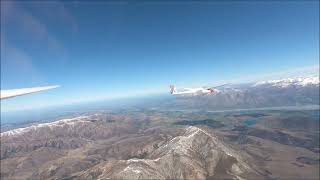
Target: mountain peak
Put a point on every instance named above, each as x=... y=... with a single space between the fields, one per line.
x=195 y=154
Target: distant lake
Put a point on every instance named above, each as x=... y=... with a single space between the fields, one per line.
x=249 y=122
x=316 y=115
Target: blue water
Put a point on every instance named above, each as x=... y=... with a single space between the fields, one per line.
x=316 y=115
x=249 y=122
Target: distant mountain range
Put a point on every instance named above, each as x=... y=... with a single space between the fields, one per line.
x=284 y=92
x=302 y=81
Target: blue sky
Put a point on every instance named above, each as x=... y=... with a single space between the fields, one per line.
x=103 y=50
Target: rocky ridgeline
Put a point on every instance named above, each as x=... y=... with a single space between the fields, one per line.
x=195 y=154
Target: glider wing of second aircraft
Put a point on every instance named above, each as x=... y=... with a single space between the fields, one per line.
x=19 y=92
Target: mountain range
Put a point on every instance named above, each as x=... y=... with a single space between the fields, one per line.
x=274 y=93
x=151 y=144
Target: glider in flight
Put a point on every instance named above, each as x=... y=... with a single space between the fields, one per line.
x=19 y=92
x=194 y=91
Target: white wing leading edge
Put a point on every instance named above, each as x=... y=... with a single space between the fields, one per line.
x=18 y=92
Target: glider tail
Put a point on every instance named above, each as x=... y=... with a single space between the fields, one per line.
x=173 y=89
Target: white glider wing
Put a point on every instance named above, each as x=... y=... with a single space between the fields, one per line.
x=19 y=92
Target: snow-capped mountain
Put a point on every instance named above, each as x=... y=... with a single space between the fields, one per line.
x=60 y=123
x=300 y=81
x=195 y=154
